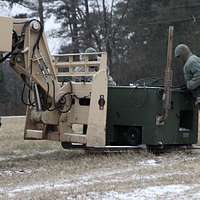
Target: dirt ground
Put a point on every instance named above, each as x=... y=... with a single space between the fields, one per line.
x=43 y=170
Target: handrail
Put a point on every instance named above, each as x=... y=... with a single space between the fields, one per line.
x=79 y=64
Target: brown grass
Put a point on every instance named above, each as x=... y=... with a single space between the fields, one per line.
x=49 y=172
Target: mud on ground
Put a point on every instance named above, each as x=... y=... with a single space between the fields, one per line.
x=43 y=170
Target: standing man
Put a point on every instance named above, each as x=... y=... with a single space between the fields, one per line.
x=191 y=69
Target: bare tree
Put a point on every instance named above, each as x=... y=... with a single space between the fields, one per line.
x=88 y=31
x=41 y=11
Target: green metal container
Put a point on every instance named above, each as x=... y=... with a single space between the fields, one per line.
x=133 y=113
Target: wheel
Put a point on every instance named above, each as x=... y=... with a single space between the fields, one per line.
x=66 y=145
x=133 y=136
x=156 y=149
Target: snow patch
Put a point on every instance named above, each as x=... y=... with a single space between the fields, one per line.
x=109 y=177
x=84 y=180
x=12 y=117
x=156 y=192
x=5 y=173
x=157 y=176
x=150 y=162
x=12 y=157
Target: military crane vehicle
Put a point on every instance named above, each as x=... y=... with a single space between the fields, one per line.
x=68 y=98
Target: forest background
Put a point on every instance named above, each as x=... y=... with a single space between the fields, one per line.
x=133 y=32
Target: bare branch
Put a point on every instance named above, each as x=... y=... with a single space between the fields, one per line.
x=111 y=13
x=98 y=7
x=105 y=18
x=41 y=11
x=120 y=20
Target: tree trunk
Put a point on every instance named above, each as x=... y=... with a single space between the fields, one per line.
x=75 y=39
x=107 y=34
x=41 y=11
x=88 y=34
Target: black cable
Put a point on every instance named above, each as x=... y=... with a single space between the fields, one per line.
x=18 y=41
x=70 y=106
x=33 y=52
x=26 y=23
x=29 y=98
x=46 y=98
x=63 y=98
x=5 y=57
x=53 y=100
x=29 y=103
x=60 y=104
x=36 y=45
x=22 y=97
x=14 y=47
x=15 y=38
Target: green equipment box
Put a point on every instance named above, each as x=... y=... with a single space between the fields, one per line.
x=133 y=113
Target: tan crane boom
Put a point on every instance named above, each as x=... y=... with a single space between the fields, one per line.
x=54 y=107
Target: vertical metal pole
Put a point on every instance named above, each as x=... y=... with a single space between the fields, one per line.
x=168 y=74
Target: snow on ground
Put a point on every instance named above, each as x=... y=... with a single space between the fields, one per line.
x=105 y=176
x=150 y=193
x=90 y=179
x=150 y=162
x=40 y=170
x=22 y=156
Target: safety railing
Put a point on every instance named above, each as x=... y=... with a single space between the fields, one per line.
x=79 y=66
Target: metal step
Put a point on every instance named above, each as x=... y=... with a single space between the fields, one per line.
x=33 y=134
x=74 y=138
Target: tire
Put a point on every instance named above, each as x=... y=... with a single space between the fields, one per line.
x=133 y=136
x=156 y=149
x=66 y=145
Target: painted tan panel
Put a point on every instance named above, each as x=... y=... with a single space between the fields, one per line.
x=75 y=64
x=96 y=133
x=79 y=114
x=75 y=138
x=34 y=134
x=62 y=74
x=6 y=30
x=81 y=88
